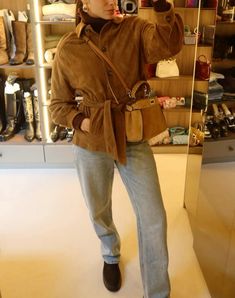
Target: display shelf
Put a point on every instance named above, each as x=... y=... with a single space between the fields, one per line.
x=46 y=65
x=19 y=139
x=222 y=63
x=195 y=150
x=218 y=23
x=179 y=78
x=59 y=142
x=71 y=22
x=20 y=66
x=177 y=109
x=169 y=149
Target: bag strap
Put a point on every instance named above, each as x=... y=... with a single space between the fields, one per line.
x=137 y=86
x=106 y=59
x=199 y=58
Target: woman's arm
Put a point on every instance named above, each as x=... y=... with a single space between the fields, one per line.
x=63 y=107
x=163 y=39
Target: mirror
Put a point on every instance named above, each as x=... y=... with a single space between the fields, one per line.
x=210 y=174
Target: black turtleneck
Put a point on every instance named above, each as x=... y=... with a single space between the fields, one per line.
x=96 y=23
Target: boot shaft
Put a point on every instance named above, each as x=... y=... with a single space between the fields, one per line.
x=3 y=43
x=3 y=119
x=3 y=39
x=38 y=133
x=36 y=106
x=29 y=42
x=28 y=107
x=10 y=99
x=19 y=31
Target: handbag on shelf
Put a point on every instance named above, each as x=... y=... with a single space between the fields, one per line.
x=144 y=118
x=167 y=68
x=203 y=68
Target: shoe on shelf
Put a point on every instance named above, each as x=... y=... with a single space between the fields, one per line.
x=112 y=277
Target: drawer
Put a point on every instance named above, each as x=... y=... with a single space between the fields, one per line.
x=21 y=154
x=218 y=151
x=59 y=153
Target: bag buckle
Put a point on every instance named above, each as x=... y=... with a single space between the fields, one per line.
x=129 y=108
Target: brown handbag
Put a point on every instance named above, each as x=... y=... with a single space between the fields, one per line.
x=144 y=118
x=203 y=68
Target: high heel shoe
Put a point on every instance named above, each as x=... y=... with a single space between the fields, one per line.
x=229 y=118
x=219 y=119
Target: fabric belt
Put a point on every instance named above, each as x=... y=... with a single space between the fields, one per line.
x=114 y=128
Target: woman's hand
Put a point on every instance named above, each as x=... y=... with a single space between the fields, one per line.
x=85 y=125
x=161 y=5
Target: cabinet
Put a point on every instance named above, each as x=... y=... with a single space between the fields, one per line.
x=183 y=85
x=217 y=149
x=17 y=151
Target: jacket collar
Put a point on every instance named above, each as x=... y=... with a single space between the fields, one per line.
x=81 y=26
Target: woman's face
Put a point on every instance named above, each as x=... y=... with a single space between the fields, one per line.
x=104 y=9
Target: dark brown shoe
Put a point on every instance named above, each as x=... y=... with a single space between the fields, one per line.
x=112 y=277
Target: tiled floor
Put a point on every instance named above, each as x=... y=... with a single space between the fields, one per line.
x=48 y=248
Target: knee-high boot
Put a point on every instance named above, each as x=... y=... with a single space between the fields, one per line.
x=28 y=114
x=19 y=31
x=3 y=119
x=38 y=133
x=29 y=42
x=13 y=106
x=3 y=43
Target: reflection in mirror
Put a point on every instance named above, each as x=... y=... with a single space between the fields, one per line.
x=210 y=175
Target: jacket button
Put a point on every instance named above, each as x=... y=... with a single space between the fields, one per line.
x=110 y=73
x=168 y=19
x=103 y=49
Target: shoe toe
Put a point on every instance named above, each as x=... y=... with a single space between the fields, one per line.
x=112 y=277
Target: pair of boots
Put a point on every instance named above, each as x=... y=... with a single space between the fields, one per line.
x=24 y=45
x=32 y=118
x=22 y=32
x=19 y=109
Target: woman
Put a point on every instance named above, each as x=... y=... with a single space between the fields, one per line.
x=100 y=141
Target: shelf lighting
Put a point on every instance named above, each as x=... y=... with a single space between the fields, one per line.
x=42 y=77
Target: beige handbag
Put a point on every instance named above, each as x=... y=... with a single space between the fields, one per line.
x=167 y=68
x=144 y=118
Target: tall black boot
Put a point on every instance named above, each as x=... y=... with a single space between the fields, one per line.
x=13 y=104
x=3 y=119
x=28 y=114
x=38 y=133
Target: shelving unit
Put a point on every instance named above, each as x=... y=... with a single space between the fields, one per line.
x=60 y=153
x=17 y=152
x=185 y=83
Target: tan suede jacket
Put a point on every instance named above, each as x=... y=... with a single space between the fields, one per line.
x=130 y=43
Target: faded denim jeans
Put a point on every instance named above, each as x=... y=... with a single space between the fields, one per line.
x=96 y=172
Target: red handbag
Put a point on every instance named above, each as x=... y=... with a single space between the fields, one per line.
x=203 y=68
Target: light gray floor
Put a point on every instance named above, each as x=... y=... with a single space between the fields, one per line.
x=48 y=248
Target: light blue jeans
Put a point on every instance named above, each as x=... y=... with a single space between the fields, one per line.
x=96 y=172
